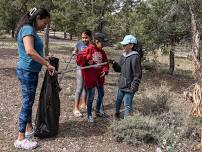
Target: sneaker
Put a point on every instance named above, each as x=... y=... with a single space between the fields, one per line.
x=28 y=135
x=90 y=119
x=83 y=108
x=25 y=144
x=98 y=114
x=101 y=113
x=117 y=116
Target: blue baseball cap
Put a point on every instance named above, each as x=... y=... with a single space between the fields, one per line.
x=129 y=39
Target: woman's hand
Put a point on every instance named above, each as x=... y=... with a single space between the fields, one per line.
x=46 y=58
x=134 y=88
x=50 y=68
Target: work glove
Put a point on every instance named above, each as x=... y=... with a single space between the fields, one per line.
x=111 y=61
x=134 y=88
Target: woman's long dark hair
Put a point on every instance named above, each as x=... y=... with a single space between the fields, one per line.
x=30 y=18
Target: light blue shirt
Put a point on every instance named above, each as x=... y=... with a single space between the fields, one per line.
x=26 y=62
x=80 y=46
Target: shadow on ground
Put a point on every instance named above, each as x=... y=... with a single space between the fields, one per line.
x=75 y=128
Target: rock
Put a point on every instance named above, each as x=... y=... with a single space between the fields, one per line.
x=158 y=149
x=64 y=149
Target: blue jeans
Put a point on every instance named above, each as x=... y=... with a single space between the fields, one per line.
x=128 y=101
x=28 y=81
x=100 y=90
x=90 y=93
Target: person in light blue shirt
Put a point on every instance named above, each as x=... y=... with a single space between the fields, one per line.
x=80 y=93
x=30 y=50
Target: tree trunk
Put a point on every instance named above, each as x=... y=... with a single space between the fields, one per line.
x=196 y=104
x=46 y=40
x=100 y=26
x=8 y=31
x=172 y=57
x=70 y=36
x=92 y=6
x=65 y=35
x=195 y=48
x=101 y=20
x=13 y=33
x=127 y=23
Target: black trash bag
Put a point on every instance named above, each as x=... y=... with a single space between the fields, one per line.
x=48 y=112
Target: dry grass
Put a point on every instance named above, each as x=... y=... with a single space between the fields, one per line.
x=160 y=121
x=74 y=133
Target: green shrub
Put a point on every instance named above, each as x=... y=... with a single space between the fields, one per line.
x=165 y=50
x=196 y=121
x=137 y=129
x=156 y=124
x=171 y=129
x=155 y=102
x=150 y=66
x=134 y=130
x=193 y=129
x=118 y=46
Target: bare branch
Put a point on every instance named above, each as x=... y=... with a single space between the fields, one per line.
x=171 y=13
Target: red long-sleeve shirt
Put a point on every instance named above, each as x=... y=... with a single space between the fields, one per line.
x=89 y=56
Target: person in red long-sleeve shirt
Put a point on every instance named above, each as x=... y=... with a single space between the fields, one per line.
x=94 y=77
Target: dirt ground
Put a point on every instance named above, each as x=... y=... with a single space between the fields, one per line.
x=74 y=133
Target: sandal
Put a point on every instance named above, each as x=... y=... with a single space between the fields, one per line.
x=77 y=113
x=83 y=108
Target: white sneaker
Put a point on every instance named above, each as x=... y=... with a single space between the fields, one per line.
x=28 y=135
x=90 y=119
x=25 y=144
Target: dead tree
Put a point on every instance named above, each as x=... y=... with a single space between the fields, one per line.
x=196 y=103
x=195 y=97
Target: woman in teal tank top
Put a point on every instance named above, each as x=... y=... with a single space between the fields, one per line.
x=30 y=50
